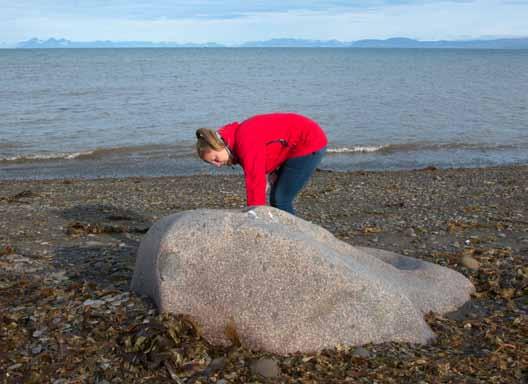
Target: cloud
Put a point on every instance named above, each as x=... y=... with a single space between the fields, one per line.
x=211 y=9
x=235 y=22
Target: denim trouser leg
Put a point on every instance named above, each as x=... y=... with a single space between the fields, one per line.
x=292 y=176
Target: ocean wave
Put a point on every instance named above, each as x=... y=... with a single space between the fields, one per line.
x=144 y=151
x=357 y=149
x=423 y=146
x=46 y=156
x=186 y=150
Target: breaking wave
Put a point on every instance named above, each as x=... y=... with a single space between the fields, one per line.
x=136 y=152
x=356 y=149
x=419 y=147
x=46 y=156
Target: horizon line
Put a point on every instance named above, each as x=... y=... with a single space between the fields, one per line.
x=331 y=40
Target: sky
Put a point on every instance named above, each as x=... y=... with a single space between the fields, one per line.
x=233 y=22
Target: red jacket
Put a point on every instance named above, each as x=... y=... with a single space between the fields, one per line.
x=262 y=143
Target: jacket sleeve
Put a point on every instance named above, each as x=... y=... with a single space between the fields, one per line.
x=253 y=160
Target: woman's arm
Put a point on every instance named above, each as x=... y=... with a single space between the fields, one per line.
x=252 y=157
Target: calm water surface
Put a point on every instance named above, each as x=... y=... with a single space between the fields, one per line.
x=122 y=112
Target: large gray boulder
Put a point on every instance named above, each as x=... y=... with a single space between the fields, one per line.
x=281 y=284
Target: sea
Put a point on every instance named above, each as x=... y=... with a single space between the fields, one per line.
x=93 y=113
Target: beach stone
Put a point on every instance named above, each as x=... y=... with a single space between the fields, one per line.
x=274 y=282
x=470 y=262
x=265 y=367
x=410 y=232
x=361 y=352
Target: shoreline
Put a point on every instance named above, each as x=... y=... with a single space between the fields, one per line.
x=177 y=163
x=208 y=171
x=67 y=251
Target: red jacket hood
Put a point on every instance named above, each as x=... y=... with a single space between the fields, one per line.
x=228 y=132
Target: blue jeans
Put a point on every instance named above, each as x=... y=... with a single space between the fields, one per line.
x=292 y=176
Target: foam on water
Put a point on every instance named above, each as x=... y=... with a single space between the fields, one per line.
x=35 y=157
x=356 y=149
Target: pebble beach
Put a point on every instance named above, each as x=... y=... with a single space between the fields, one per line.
x=67 y=252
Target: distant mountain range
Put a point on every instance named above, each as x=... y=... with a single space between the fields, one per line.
x=396 y=42
x=402 y=42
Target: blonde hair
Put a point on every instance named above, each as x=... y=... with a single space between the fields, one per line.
x=208 y=140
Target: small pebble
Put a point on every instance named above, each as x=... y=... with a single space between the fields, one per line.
x=217 y=364
x=265 y=367
x=410 y=232
x=361 y=352
x=93 y=243
x=56 y=321
x=470 y=262
x=39 y=333
x=36 y=349
x=93 y=303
